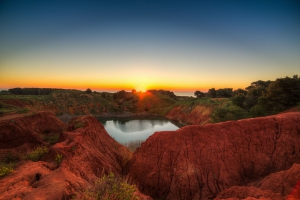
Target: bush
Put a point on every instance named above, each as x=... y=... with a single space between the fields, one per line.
x=51 y=138
x=78 y=125
x=257 y=111
x=111 y=187
x=37 y=154
x=7 y=164
x=89 y=91
x=229 y=112
x=58 y=159
x=9 y=157
x=5 y=169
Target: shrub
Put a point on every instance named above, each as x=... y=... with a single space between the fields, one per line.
x=9 y=157
x=257 y=111
x=5 y=169
x=78 y=125
x=58 y=158
x=37 y=154
x=111 y=187
x=51 y=138
x=7 y=164
x=229 y=112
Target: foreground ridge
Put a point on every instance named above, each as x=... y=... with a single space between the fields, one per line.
x=199 y=162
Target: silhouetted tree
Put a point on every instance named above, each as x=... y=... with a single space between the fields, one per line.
x=211 y=93
x=89 y=91
x=224 y=93
x=199 y=94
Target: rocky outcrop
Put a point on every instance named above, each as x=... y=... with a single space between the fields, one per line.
x=199 y=162
x=190 y=115
x=281 y=185
x=87 y=153
x=25 y=131
x=246 y=159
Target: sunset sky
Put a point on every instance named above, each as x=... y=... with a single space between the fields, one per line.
x=147 y=44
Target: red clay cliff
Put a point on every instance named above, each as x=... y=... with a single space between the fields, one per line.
x=87 y=153
x=199 y=162
x=246 y=159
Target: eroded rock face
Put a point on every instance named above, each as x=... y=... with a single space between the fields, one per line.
x=26 y=131
x=198 y=162
x=280 y=185
x=87 y=152
x=191 y=115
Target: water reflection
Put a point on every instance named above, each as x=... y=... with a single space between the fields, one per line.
x=129 y=129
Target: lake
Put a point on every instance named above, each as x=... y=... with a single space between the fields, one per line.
x=126 y=129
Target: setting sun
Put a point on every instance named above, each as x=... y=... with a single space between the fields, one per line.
x=141 y=88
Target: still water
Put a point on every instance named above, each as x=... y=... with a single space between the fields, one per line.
x=125 y=129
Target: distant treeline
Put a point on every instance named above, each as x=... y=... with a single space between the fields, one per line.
x=32 y=91
x=259 y=99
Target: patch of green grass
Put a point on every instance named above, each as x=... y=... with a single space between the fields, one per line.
x=37 y=153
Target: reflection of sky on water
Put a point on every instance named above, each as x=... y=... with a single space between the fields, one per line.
x=127 y=130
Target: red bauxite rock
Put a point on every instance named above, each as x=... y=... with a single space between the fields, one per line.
x=87 y=153
x=198 y=162
x=198 y=115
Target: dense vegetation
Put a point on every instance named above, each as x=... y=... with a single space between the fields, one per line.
x=32 y=91
x=259 y=99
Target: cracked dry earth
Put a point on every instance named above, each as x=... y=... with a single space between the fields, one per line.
x=246 y=159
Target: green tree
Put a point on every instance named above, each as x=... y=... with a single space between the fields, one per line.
x=281 y=94
x=239 y=99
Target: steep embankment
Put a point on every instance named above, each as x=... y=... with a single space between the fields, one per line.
x=195 y=111
x=198 y=162
x=198 y=115
x=23 y=132
x=86 y=148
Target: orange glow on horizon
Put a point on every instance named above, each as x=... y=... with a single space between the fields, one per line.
x=111 y=84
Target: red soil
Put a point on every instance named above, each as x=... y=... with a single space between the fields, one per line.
x=87 y=151
x=199 y=162
x=245 y=159
x=198 y=115
x=16 y=102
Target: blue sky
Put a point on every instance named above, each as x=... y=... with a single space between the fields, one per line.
x=177 y=45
